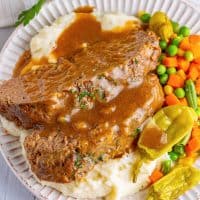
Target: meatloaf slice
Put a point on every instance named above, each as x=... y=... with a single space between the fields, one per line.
x=66 y=152
x=105 y=67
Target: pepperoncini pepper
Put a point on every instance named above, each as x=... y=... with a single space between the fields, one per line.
x=171 y=186
x=167 y=127
x=161 y=25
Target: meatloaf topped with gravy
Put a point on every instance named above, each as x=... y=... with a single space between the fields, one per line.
x=85 y=108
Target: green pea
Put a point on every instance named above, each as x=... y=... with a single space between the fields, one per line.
x=179 y=149
x=176 y=41
x=145 y=18
x=185 y=31
x=161 y=57
x=175 y=26
x=171 y=70
x=173 y=156
x=161 y=69
x=163 y=78
x=172 y=50
x=189 y=56
x=179 y=92
x=166 y=166
x=163 y=44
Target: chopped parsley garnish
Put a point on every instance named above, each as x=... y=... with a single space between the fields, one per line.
x=95 y=159
x=100 y=94
x=100 y=158
x=92 y=157
x=27 y=15
x=85 y=94
x=78 y=161
x=83 y=106
x=101 y=76
x=136 y=61
x=136 y=132
x=73 y=91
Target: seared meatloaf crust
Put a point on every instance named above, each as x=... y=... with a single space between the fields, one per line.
x=104 y=68
x=85 y=108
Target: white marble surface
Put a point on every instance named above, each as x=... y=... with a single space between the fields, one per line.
x=10 y=187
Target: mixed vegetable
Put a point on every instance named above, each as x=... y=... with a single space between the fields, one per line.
x=179 y=68
x=176 y=126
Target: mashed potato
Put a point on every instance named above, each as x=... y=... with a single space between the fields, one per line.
x=112 y=179
x=12 y=128
x=44 y=42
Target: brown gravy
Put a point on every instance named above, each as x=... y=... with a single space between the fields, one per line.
x=154 y=138
x=74 y=38
x=84 y=9
x=24 y=59
x=84 y=122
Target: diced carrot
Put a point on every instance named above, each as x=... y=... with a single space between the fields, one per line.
x=170 y=61
x=183 y=63
x=194 y=39
x=196 y=133
x=155 y=176
x=193 y=72
x=197 y=60
x=175 y=81
x=197 y=89
x=197 y=86
x=195 y=48
x=188 y=151
x=183 y=102
x=196 y=125
x=181 y=73
x=171 y=99
x=193 y=146
x=185 y=44
x=195 y=65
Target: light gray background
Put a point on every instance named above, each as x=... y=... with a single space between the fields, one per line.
x=10 y=187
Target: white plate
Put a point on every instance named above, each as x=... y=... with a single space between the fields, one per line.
x=178 y=10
